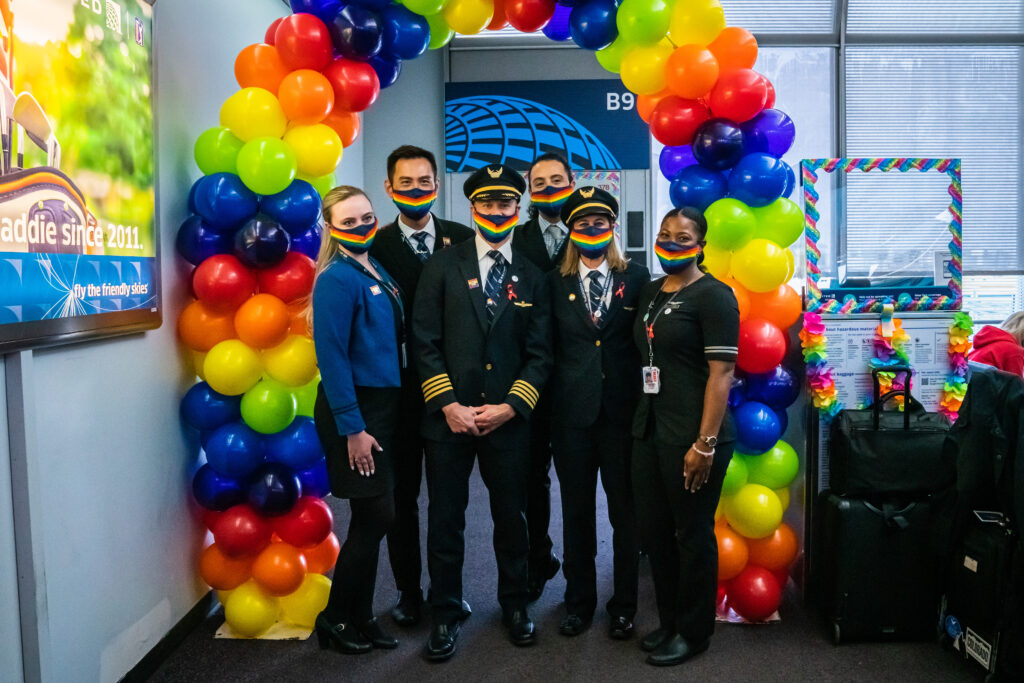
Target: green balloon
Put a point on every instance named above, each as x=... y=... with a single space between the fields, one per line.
x=216 y=151
x=305 y=398
x=735 y=475
x=782 y=221
x=611 y=57
x=424 y=7
x=643 y=22
x=440 y=33
x=268 y=407
x=322 y=184
x=731 y=223
x=266 y=165
x=775 y=468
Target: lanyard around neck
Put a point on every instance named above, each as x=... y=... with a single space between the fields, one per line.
x=649 y=328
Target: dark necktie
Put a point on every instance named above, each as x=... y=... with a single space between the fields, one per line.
x=495 y=276
x=420 y=238
x=596 y=296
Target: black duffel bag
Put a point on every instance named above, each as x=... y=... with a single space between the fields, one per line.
x=872 y=451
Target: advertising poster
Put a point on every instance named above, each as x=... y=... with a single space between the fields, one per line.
x=78 y=245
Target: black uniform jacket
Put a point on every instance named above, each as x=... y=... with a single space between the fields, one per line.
x=460 y=356
x=529 y=241
x=595 y=366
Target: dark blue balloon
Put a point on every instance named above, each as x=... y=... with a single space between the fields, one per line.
x=224 y=202
x=315 y=481
x=204 y=437
x=214 y=491
x=261 y=242
x=325 y=10
x=718 y=144
x=558 y=27
x=783 y=421
x=672 y=160
x=308 y=242
x=771 y=132
x=205 y=409
x=192 y=196
x=387 y=70
x=758 y=179
x=757 y=426
x=356 y=33
x=571 y=3
x=295 y=207
x=406 y=34
x=197 y=242
x=273 y=489
x=790 y=180
x=777 y=388
x=375 y=5
x=297 y=445
x=737 y=392
x=592 y=25
x=235 y=450
x=698 y=187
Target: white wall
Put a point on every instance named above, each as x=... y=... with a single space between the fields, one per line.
x=10 y=630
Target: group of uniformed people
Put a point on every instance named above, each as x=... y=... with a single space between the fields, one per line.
x=510 y=346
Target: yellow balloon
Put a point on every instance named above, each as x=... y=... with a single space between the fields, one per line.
x=198 y=357
x=720 y=510
x=760 y=265
x=783 y=495
x=754 y=512
x=253 y=113
x=317 y=149
x=308 y=600
x=717 y=261
x=696 y=22
x=468 y=17
x=643 y=68
x=249 y=611
x=232 y=367
x=322 y=184
x=791 y=262
x=292 y=362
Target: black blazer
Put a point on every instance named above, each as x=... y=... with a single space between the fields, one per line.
x=595 y=366
x=529 y=241
x=460 y=357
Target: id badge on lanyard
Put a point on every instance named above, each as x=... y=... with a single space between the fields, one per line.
x=651 y=372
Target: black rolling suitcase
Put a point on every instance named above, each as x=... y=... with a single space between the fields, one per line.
x=879 y=574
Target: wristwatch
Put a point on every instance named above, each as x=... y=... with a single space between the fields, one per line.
x=709 y=441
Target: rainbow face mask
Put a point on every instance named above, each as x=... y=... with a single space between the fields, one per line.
x=358 y=239
x=549 y=201
x=494 y=228
x=676 y=257
x=591 y=241
x=415 y=203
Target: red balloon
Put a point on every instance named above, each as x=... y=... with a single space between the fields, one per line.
x=240 y=530
x=769 y=103
x=675 y=120
x=755 y=594
x=739 y=95
x=223 y=283
x=529 y=16
x=645 y=104
x=209 y=517
x=762 y=346
x=345 y=123
x=307 y=525
x=355 y=84
x=782 y=576
x=290 y=279
x=270 y=36
x=499 y=19
x=303 y=42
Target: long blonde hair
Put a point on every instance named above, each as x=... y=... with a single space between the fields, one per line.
x=1015 y=326
x=328 y=249
x=571 y=262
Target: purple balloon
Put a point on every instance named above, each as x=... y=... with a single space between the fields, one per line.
x=357 y=33
x=274 y=488
x=261 y=242
x=718 y=144
x=387 y=69
x=675 y=159
x=770 y=132
x=314 y=480
x=558 y=27
x=738 y=392
x=777 y=388
x=308 y=241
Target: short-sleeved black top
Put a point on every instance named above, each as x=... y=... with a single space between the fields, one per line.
x=701 y=323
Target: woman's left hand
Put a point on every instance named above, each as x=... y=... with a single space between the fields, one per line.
x=696 y=470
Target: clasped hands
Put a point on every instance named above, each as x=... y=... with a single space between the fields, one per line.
x=477 y=420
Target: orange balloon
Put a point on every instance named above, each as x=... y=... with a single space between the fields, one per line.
x=499 y=19
x=306 y=97
x=221 y=572
x=279 y=569
x=732 y=552
x=776 y=552
x=201 y=329
x=260 y=66
x=345 y=124
x=691 y=71
x=735 y=48
x=742 y=296
x=781 y=306
x=262 y=321
x=645 y=104
x=320 y=558
x=297 y=320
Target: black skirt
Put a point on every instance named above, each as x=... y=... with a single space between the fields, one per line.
x=379 y=407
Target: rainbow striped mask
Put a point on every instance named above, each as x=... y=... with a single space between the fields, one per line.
x=415 y=203
x=494 y=229
x=591 y=241
x=676 y=257
x=549 y=201
x=358 y=239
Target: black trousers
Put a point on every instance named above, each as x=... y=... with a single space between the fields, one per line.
x=502 y=455
x=677 y=529
x=355 y=575
x=404 y=536
x=538 y=485
x=579 y=455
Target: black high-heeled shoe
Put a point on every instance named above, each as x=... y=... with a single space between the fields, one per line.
x=342 y=637
x=377 y=635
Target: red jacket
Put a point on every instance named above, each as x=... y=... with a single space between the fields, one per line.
x=998 y=348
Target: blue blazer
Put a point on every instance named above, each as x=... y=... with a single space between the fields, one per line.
x=355 y=337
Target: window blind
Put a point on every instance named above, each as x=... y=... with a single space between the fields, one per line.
x=935 y=16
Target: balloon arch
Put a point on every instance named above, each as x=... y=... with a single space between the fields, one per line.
x=255 y=231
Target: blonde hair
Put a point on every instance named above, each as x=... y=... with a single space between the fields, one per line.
x=328 y=249
x=571 y=262
x=1015 y=326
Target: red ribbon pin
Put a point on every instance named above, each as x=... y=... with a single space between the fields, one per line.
x=511 y=292
x=621 y=290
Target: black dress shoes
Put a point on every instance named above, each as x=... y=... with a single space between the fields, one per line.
x=409 y=609
x=377 y=635
x=441 y=643
x=467 y=611
x=539 y=577
x=520 y=628
x=573 y=625
x=676 y=650
x=653 y=639
x=343 y=637
x=621 y=628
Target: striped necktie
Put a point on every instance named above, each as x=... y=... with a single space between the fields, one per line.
x=495 y=276
x=420 y=237
x=596 y=296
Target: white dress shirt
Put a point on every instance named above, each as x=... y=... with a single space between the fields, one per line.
x=605 y=283
x=545 y=224
x=482 y=247
x=427 y=229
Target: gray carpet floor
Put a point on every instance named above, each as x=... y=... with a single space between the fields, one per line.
x=796 y=649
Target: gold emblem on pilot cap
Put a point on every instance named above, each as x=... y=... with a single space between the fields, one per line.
x=587 y=192
x=496 y=172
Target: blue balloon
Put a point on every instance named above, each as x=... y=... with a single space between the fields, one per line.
x=192 y=196
x=790 y=180
x=325 y=10
x=356 y=33
x=718 y=144
x=737 y=392
x=224 y=202
x=214 y=491
x=783 y=421
x=205 y=409
x=757 y=427
x=758 y=179
x=558 y=27
x=777 y=388
x=387 y=70
x=204 y=437
x=197 y=242
x=375 y=5
x=592 y=25
x=295 y=207
x=698 y=187
x=261 y=242
x=274 y=488
x=297 y=445
x=308 y=242
x=406 y=34
x=571 y=3
x=314 y=480
x=771 y=132
x=235 y=450
x=672 y=160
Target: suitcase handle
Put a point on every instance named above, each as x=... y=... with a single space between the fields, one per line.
x=876 y=406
